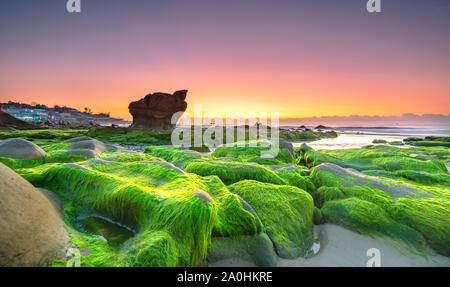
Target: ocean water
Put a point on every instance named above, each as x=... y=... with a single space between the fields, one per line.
x=359 y=136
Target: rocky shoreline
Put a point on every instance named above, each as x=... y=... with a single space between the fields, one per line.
x=248 y=210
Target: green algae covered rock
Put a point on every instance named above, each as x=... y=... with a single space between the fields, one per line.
x=174 y=214
x=430 y=216
x=184 y=206
x=318 y=217
x=326 y=193
x=231 y=172
x=178 y=157
x=387 y=158
x=286 y=213
x=328 y=174
x=182 y=220
x=257 y=152
x=430 y=141
x=369 y=219
x=295 y=176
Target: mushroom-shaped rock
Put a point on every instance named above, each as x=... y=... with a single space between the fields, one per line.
x=155 y=111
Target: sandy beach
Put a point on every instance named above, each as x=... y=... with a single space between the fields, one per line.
x=343 y=248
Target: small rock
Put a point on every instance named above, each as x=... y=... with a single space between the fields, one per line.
x=20 y=149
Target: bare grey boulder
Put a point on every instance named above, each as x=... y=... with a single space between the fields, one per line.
x=32 y=232
x=20 y=149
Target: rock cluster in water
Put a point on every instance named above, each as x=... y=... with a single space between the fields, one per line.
x=155 y=111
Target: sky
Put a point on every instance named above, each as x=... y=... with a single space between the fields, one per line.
x=302 y=58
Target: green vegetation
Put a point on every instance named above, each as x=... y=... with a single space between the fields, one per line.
x=231 y=172
x=307 y=135
x=172 y=223
x=411 y=186
x=326 y=193
x=179 y=201
x=379 y=141
x=297 y=178
x=42 y=134
x=285 y=211
x=178 y=157
x=429 y=216
x=126 y=136
x=369 y=219
x=388 y=158
x=430 y=141
x=254 y=151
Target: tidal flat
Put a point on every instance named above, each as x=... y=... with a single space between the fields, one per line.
x=165 y=206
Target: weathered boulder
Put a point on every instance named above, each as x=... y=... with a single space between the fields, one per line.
x=89 y=147
x=20 y=149
x=78 y=139
x=32 y=231
x=288 y=146
x=155 y=111
x=329 y=174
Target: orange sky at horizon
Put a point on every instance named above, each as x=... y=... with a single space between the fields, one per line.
x=293 y=96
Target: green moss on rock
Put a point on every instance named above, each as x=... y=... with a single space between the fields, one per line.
x=255 y=151
x=369 y=219
x=178 y=157
x=326 y=193
x=286 y=213
x=231 y=172
x=430 y=216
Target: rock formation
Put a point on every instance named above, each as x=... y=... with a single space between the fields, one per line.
x=155 y=111
x=32 y=231
x=88 y=147
x=20 y=149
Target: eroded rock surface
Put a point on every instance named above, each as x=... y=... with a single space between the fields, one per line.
x=32 y=231
x=155 y=111
x=20 y=149
x=351 y=177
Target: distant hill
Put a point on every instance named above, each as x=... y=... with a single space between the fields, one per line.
x=7 y=122
x=56 y=109
x=42 y=115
